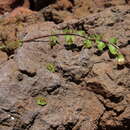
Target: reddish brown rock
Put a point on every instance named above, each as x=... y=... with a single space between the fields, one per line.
x=20 y=11
x=86 y=92
x=3 y=57
x=26 y=3
x=7 y=5
x=126 y=52
x=64 y=4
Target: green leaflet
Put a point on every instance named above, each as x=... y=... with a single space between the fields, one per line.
x=68 y=30
x=65 y=30
x=20 y=43
x=69 y=39
x=113 y=50
x=113 y=40
x=81 y=32
x=101 y=45
x=87 y=43
x=53 y=40
x=97 y=37
x=2 y=47
x=51 y=67
x=120 y=59
x=41 y=101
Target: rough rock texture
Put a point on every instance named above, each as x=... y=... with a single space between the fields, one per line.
x=8 y=5
x=13 y=24
x=26 y=77
x=63 y=11
x=86 y=92
x=109 y=82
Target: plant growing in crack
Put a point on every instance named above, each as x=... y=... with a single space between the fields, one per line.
x=89 y=41
x=51 y=67
x=70 y=39
x=53 y=40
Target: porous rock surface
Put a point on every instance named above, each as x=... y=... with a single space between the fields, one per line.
x=64 y=10
x=61 y=10
x=87 y=91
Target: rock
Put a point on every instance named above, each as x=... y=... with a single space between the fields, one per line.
x=126 y=52
x=107 y=23
x=30 y=61
x=21 y=11
x=15 y=22
x=25 y=62
x=74 y=116
x=87 y=91
x=3 y=57
x=64 y=4
x=9 y=5
x=8 y=70
x=109 y=82
x=67 y=10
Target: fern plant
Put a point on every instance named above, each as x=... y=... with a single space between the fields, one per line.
x=88 y=42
